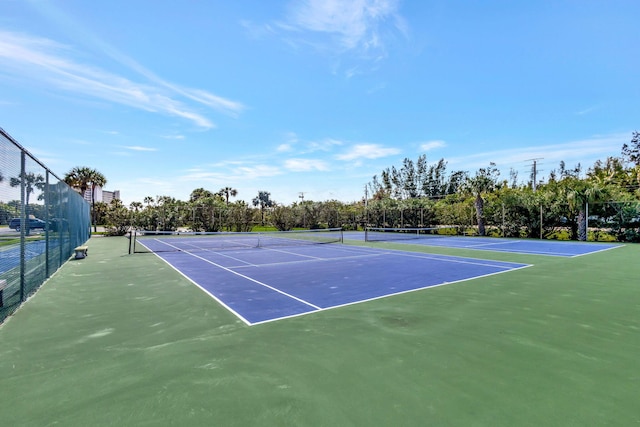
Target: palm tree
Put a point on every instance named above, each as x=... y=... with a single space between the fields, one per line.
x=31 y=181
x=82 y=178
x=79 y=178
x=200 y=193
x=579 y=194
x=97 y=180
x=226 y=192
x=264 y=201
x=485 y=181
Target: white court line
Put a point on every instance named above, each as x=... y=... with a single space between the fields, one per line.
x=313 y=257
x=423 y=242
x=375 y=252
x=493 y=244
x=484 y=263
x=370 y=253
x=248 y=264
x=292 y=253
x=251 y=279
x=449 y=258
x=193 y=245
x=233 y=244
x=305 y=261
x=218 y=300
x=543 y=253
x=201 y=249
x=600 y=250
x=388 y=295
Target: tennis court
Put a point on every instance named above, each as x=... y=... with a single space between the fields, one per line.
x=284 y=277
x=11 y=255
x=119 y=339
x=511 y=245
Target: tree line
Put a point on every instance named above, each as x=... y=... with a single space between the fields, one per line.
x=536 y=208
x=206 y=211
x=569 y=203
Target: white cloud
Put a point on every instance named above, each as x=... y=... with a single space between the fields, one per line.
x=258 y=171
x=584 y=151
x=367 y=151
x=231 y=171
x=256 y=31
x=585 y=111
x=432 y=145
x=43 y=61
x=355 y=24
x=354 y=34
x=121 y=153
x=224 y=164
x=283 y=148
x=324 y=145
x=202 y=175
x=138 y=148
x=294 y=142
x=213 y=101
x=291 y=140
x=305 y=165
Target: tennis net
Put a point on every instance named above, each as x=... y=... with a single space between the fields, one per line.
x=380 y=234
x=142 y=241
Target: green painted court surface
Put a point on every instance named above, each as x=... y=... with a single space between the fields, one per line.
x=119 y=339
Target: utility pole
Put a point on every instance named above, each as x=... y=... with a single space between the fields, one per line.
x=366 y=196
x=534 y=171
x=366 y=211
x=304 y=214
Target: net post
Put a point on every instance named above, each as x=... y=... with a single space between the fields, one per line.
x=130 y=237
x=133 y=239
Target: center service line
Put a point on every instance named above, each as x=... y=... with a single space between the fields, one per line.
x=252 y=280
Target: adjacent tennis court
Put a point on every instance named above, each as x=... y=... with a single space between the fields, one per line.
x=11 y=254
x=266 y=277
x=430 y=237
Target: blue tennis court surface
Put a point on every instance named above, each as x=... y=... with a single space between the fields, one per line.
x=10 y=256
x=523 y=246
x=266 y=284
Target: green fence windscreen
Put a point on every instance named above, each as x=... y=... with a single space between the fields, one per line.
x=42 y=220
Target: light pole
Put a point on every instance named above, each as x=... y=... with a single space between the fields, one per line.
x=301 y=197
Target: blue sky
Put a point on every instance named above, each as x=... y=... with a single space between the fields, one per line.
x=313 y=96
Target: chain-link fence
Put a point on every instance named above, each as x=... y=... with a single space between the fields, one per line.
x=605 y=221
x=610 y=221
x=42 y=220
